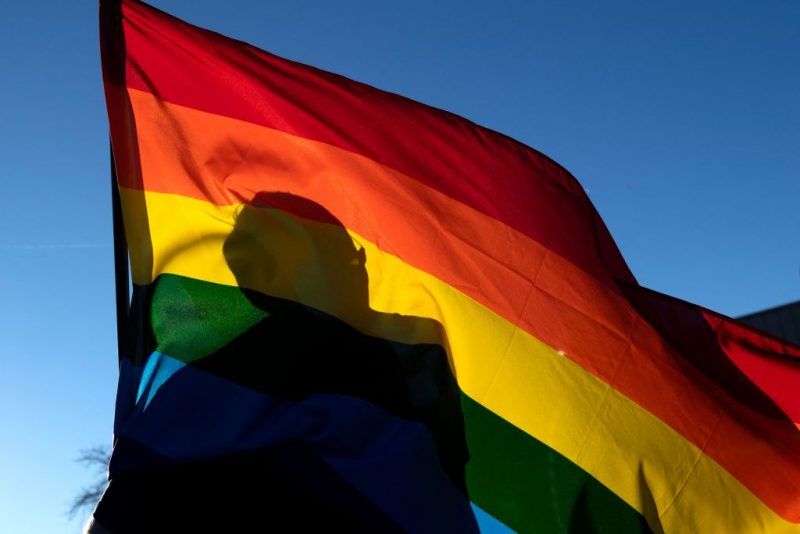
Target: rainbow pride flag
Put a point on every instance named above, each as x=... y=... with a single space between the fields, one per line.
x=353 y=309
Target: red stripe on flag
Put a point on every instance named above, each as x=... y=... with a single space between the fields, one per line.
x=486 y=170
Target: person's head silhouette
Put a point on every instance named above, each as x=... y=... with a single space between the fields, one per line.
x=291 y=247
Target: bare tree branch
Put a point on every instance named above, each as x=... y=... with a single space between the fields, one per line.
x=95 y=458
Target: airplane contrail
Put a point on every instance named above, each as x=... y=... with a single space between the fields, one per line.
x=54 y=246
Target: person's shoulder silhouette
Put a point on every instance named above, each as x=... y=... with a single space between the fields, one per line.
x=348 y=428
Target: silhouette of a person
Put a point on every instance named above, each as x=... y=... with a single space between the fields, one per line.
x=374 y=436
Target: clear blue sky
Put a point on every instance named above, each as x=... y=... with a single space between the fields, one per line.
x=682 y=120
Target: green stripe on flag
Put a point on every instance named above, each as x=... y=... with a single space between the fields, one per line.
x=532 y=488
x=511 y=475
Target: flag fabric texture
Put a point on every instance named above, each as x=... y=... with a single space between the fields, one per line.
x=351 y=308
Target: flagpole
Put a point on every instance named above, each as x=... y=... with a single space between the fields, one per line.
x=120 y=261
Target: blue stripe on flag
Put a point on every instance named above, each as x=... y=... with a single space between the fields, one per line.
x=488 y=524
